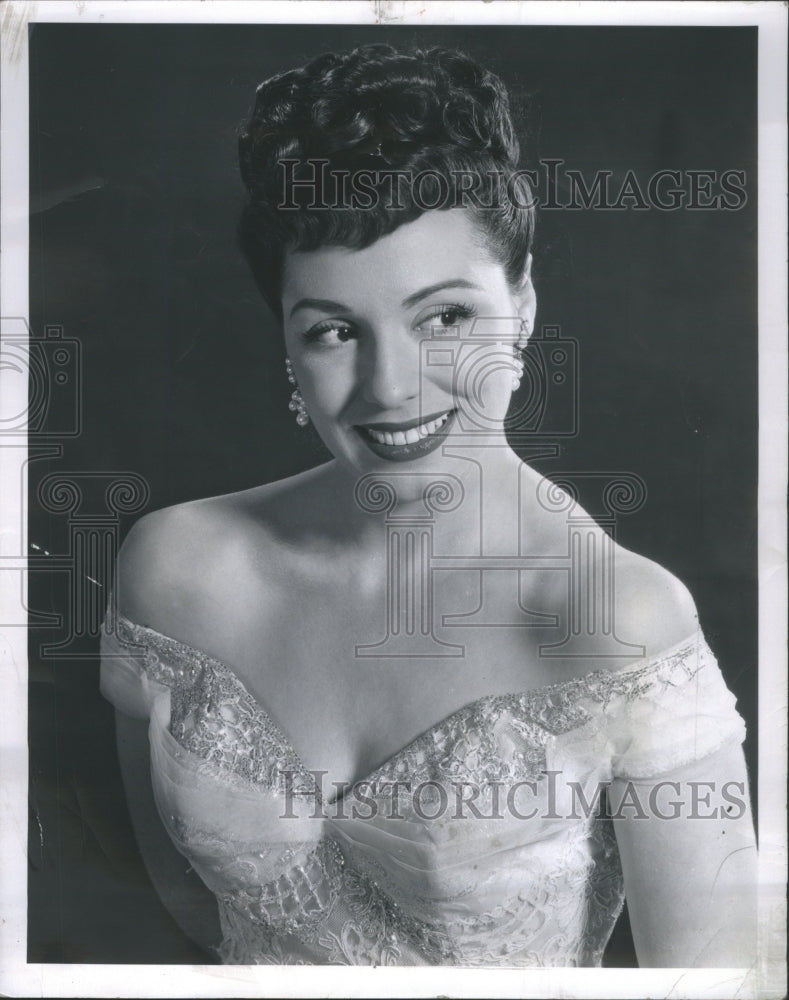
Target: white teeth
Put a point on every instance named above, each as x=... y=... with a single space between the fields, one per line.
x=411 y=436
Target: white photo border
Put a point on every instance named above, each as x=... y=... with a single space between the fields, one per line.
x=17 y=978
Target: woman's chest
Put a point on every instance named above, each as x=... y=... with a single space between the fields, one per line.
x=464 y=832
x=351 y=686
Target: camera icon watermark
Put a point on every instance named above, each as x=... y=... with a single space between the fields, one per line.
x=544 y=405
x=42 y=378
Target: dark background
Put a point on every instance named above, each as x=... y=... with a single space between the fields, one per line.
x=134 y=199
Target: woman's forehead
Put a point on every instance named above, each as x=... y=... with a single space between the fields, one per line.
x=437 y=246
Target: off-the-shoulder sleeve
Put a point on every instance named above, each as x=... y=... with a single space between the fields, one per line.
x=673 y=711
x=132 y=674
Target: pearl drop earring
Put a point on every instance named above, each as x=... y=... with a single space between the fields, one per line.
x=296 y=404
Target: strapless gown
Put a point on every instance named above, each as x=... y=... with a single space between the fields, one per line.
x=478 y=844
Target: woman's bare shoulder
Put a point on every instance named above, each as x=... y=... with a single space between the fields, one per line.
x=653 y=608
x=187 y=563
x=653 y=613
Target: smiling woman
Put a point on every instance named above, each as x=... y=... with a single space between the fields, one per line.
x=359 y=363
x=424 y=624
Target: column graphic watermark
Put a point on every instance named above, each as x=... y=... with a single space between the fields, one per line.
x=92 y=548
x=410 y=618
x=588 y=562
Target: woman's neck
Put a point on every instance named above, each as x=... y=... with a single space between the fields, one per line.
x=470 y=496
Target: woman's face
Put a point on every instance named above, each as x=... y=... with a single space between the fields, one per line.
x=406 y=344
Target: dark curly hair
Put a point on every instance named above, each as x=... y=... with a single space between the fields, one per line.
x=385 y=117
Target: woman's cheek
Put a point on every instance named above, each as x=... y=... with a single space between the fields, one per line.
x=482 y=388
x=326 y=396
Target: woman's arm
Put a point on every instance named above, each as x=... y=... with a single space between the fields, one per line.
x=690 y=881
x=689 y=853
x=189 y=902
x=151 y=580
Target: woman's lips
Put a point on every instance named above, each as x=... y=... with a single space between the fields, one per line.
x=405 y=442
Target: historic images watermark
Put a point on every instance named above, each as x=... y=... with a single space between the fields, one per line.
x=315 y=185
x=548 y=796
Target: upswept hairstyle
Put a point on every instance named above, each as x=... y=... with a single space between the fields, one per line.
x=381 y=118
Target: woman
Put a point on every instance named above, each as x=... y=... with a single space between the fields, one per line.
x=375 y=738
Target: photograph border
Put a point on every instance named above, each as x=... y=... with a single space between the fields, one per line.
x=17 y=978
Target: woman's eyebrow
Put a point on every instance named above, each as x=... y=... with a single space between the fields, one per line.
x=438 y=287
x=330 y=305
x=325 y=305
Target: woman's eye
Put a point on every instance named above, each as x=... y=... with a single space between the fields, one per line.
x=330 y=333
x=445 y=316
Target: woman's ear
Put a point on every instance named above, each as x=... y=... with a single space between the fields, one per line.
x=526 y=300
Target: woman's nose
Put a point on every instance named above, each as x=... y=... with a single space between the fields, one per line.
x=391 y=368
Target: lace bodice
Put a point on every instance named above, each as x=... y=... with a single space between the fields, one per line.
x=478 y=844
